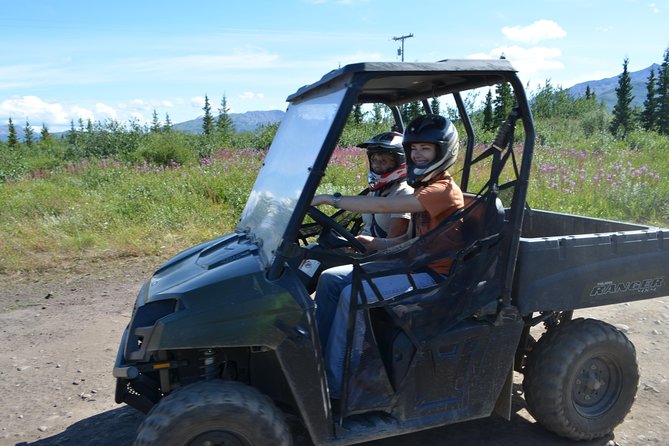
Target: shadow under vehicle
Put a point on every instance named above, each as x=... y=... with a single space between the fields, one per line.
x=222 y=342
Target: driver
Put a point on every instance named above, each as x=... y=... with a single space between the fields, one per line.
x=387 y=177
x=431 y=146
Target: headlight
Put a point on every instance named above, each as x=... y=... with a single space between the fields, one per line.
x=141 y=326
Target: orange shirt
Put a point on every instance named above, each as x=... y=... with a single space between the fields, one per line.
x=440 y=199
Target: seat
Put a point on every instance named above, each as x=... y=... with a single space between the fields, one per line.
x=472 y=282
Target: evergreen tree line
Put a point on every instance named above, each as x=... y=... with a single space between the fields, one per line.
x=556 y=103
x=654 y=115
x=156 y=142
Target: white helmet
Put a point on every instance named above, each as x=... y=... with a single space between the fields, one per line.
x=388 y=142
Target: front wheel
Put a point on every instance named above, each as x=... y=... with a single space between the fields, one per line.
x=581 y=379
x=214 y=413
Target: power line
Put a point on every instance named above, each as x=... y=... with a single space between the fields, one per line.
x=400 y=51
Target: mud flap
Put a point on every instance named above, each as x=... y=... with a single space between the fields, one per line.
x=503 y=404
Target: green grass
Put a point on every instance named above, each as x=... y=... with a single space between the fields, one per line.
x=102 y=209
x=110 y=209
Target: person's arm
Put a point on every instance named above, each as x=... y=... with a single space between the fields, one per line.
x=376 y=205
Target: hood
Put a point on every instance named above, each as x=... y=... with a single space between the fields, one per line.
x=205 y=264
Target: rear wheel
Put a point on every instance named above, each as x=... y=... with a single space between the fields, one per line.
x=581 y=379
x=214 y=413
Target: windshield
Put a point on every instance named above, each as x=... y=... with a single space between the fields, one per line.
x=281 y=180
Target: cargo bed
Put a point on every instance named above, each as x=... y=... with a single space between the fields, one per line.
x=568 y=262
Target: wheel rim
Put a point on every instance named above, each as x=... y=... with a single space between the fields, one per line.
x=218 y=438
x=596 y=387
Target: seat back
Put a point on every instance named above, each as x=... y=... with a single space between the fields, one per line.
x=484 y=217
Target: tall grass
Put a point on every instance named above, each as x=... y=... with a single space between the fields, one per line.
x=613 y=183
x=101 y=209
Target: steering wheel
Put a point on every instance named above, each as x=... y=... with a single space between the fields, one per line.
x=331 y=224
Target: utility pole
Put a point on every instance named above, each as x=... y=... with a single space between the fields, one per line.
x=400 y=51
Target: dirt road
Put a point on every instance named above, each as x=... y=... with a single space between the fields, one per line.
x=60 y=332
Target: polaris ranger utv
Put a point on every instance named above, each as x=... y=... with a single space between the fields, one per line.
x=222 y=342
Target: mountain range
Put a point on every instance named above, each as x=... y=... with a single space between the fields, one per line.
x=604 y=89
x=244 y=122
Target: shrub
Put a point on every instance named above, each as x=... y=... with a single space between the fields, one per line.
x=165 y=149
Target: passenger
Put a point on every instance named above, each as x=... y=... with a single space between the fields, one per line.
x=387 y=178
x=431 y=146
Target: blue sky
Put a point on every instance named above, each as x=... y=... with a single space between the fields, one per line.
x=64 y=60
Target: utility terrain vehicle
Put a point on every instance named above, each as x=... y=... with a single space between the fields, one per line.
x=222 y=341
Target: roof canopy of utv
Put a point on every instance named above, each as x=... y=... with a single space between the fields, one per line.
x=413 y=81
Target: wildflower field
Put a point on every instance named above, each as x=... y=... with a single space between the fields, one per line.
x=100 y=209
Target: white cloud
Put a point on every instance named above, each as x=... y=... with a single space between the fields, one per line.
x=653 y=8
x=33 y=108
x=136 y=104
x=104 y=111
x=528 y=61
x=84 y=114
x=197 y=101
x=534 y=33
x=251 y=95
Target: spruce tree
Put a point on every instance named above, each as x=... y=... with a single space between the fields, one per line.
x=410 y=111
x=12 y=139
x=357 y=114
x=28 y=134
x=588 y=93
x=623 y=118
x=224 y=124
x=167 y=127
x=488 y=122
x=435 y=106
x=72 y=134
x=207 y=120
x=155 y=123
x=503 y=103
x=44 y=133
x=649 y=113
x=663 y=95
x=377 y=114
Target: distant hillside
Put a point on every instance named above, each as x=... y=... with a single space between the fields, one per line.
x=244 y=122
x=605 y=89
